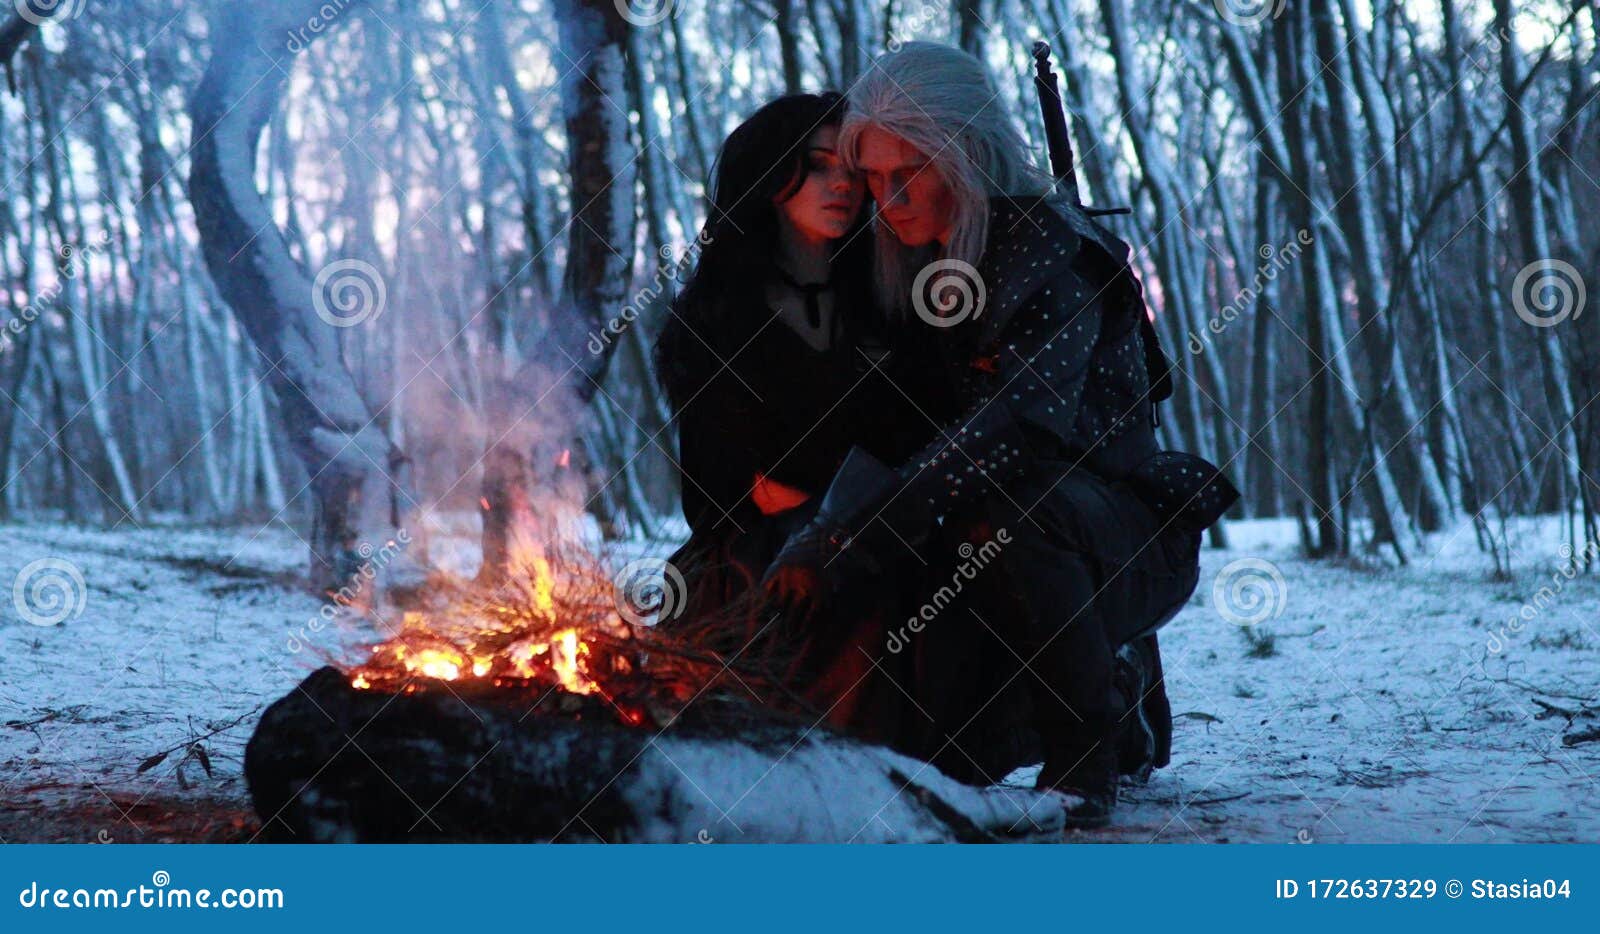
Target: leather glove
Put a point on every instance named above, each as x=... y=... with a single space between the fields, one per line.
x=848 y=539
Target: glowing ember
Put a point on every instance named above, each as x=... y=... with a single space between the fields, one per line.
x=430 y=663
x=540 y=632
x=544 y=587
x=563 y=655
x=550 y=633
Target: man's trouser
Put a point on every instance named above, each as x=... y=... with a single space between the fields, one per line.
x=1088 y=567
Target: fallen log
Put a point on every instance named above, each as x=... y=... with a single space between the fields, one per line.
x=331 y=763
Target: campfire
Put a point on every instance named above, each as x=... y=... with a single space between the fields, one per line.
x=560 y=635
x=504 y=657
x=548 y=708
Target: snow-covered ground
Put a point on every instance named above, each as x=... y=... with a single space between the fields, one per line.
x=1421 y=703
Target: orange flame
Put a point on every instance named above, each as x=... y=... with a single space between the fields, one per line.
x=489 y=649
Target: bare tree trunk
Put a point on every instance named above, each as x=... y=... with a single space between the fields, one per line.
x=853 y=42
x=18 y=359
x=357 y=477
x=535 y=445
x=970 y=24
x=1181 y=279
x=688 y=94
x=784 y=20
x=529 y=147
x=1532 y=231
x=19 y=30
x=1262 y=484
x=1390 y=393
x=1297 y=140
x=115 y=482
x=1485 y=280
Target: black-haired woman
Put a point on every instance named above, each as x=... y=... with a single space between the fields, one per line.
x=767 y=358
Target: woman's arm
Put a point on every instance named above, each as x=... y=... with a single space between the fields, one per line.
x=773 y=497
x=716 y=468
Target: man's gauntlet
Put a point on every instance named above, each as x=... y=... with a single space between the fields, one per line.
x=860 y=521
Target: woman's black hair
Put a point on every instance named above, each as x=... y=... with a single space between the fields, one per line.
x=765 y=159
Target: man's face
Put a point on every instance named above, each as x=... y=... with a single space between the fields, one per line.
x=912 y=197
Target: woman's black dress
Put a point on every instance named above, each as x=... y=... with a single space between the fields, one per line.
x=764 y=401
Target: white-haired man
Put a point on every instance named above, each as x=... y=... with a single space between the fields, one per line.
x=1022 y=311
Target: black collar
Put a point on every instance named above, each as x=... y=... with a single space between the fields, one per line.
x=810 y=291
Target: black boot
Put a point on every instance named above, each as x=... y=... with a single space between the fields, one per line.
x=1136 y=734
x=1091 y=777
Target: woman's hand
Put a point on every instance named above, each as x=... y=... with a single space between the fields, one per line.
x=772 y=497
x=793 y=586
x=799 y=575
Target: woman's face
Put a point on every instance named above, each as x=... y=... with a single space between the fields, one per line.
x=827 y=202
x=912 y=197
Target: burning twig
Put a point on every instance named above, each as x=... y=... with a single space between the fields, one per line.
x=557 y=630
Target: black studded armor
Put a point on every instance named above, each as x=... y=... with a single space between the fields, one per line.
x=1050 y=364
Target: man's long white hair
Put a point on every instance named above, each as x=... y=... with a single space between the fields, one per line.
x=941 y=101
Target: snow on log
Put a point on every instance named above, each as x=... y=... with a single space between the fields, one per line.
x=330 y=763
